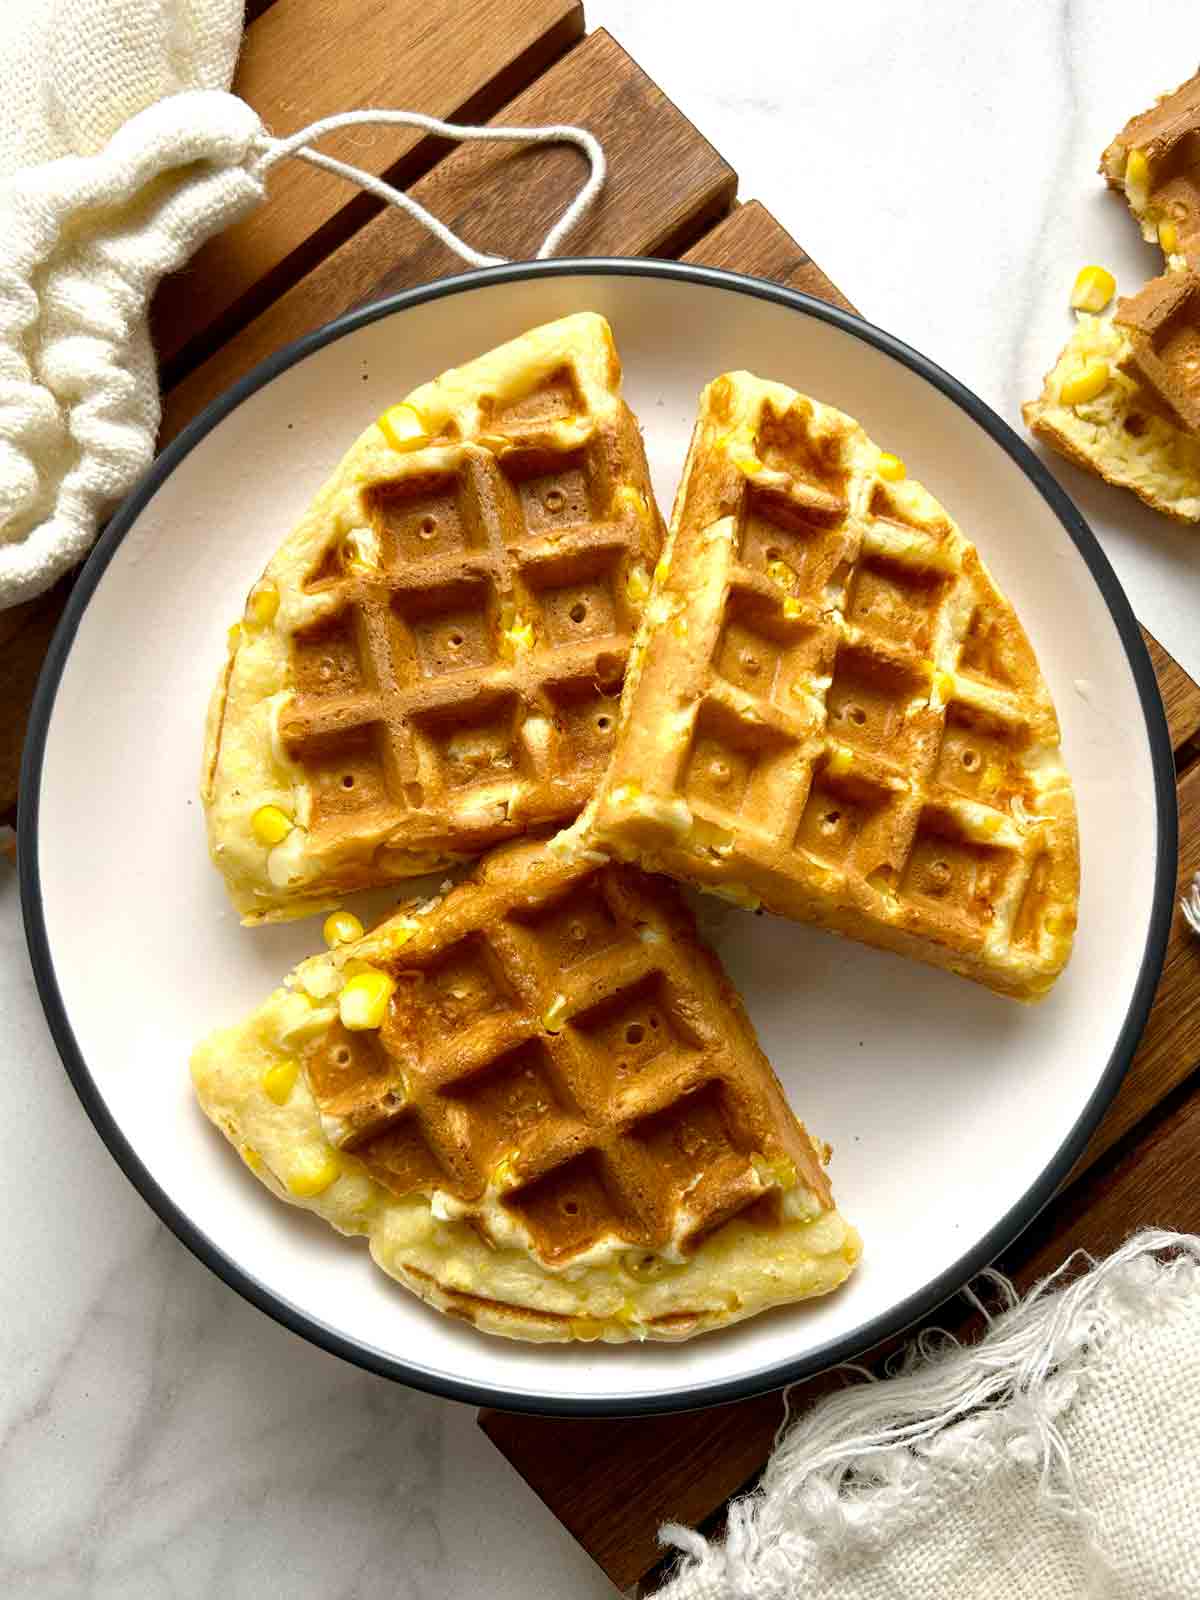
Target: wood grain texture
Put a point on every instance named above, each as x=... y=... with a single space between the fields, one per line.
x=304 y=59
x=751 y=240
x=1180 y=693
x=665 y=183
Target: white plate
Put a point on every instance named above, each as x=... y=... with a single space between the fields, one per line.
x=953 y=1113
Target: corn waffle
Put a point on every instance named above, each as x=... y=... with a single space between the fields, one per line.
x=1122 y=431
x=550 y=1115
x=1155 y=162
x=833 y=713
x=432 y=660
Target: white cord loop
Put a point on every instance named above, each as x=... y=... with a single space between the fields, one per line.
x=300 y=145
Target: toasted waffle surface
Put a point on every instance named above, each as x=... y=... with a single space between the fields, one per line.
x=432 y=660
x=562 y=1125
x=833 y=713
x=1155 y=162
x=1125 y=433
x=1162 y=325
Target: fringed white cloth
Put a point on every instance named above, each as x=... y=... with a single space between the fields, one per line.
x=1057 y=1459
x=120 y=154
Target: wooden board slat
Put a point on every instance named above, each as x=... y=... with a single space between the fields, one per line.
x=665 y=182
x=25 y=633
x=1170 y=1047
x=304 y=59
x=751 y=240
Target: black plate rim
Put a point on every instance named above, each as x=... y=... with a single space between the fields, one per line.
x=776 y=1375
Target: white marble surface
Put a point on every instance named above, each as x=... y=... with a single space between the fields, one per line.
x=158 y=1437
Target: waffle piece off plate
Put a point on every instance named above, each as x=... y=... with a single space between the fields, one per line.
x=431 y=662
x=1117 y=425
x=1120 y=400
x=833 y=713
x=549 y=1115
x=1155 y=162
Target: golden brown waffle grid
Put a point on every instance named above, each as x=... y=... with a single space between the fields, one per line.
x=563 y=1063
x=834 y=713
x=465 y=687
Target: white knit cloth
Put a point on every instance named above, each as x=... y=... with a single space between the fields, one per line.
x=120 y=153
x=1057 y=1459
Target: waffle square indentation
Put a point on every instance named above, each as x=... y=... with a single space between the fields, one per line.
x=897 y=602
x=424 y=516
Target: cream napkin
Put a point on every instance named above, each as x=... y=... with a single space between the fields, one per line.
x=120 y=153
x=1058 y=1459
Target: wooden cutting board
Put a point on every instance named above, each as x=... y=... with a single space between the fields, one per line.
x=321 y=248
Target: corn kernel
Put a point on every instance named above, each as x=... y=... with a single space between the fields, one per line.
x=1137 y=170
x=1168 y=236
x=1094 y=288
x=992 y=824
x=778 y=1170
x=840 y=762
x=399 y=933
x=279 y=1081
x=504 y=1173
x=313 y=1177
x=943 y=683
x=359 y=554
x=630 y=496
x=270 y=824
x=993 y=777
x=750 y=465
x=792 y=606
x=626 y=793
x=251 y=1157
x=363 y=1002
x=343 y=927
x=637 y=585
x=661 y=570
x=679 y=627
x=552 y=1017
x=517 y=635
x=234 y=637
x=403 y=427
x=1060 y=923
x=262 y=604
x=890 y=467
x=585 y=1328
x=1091 y=380
x=779 y=572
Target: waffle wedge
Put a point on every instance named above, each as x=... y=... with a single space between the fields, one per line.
x=1155 y=162
x=550 y=1115
x=431 y=661
x=833 y=713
